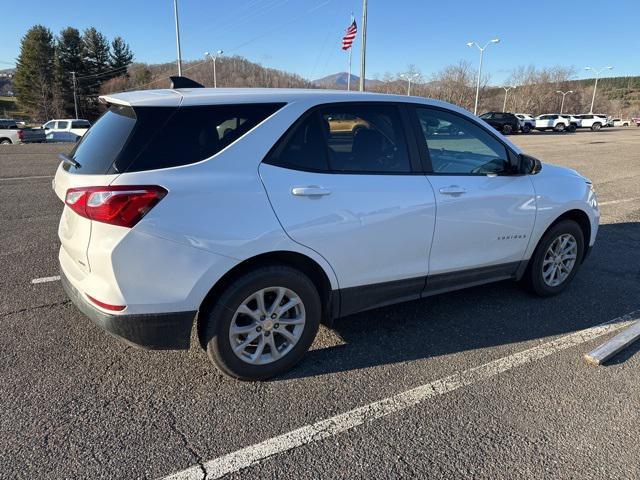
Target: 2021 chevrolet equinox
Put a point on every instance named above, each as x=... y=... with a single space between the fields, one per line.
x=260 y=213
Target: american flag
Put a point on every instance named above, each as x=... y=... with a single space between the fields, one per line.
x=350 y=36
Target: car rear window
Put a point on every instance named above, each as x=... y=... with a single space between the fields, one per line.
x=127 y=139
x=80 y=124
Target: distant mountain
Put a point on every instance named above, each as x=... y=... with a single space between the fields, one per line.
x=339 y=81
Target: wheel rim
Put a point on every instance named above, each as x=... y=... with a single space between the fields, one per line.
x=559 y=260
x=267 y=325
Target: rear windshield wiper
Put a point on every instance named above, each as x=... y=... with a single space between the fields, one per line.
x=68 y=160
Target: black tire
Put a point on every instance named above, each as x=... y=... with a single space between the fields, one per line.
x=596 y=126
x=560 y=127
x=5 y=141
x=572 y=128
x=219 y=318
x=526 y=128
x=507 y=129
x=533 y=278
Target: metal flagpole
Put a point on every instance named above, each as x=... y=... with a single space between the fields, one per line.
x=363 y=46
x=350 y=50
x=349 y=77
x=175 y=12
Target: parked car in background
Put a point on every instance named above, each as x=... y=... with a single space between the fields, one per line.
x=619 y=122
x=527 y=122
x=284 y=218
x=11 y=132
x=502 y=121
x=592 y=121
x=552 y=121
x=574 y=122
x=66 y=130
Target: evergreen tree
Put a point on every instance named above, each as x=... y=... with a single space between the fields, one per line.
x=69 y=58
x=96 y=68
x=33 y=81
x=120 y=57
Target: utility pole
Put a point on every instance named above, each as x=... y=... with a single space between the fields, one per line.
x=175 y=12
x=482 y=49
x=595 y=87
x=363 y=46
x=506 y=92
x=564 y=94
x=75 y=96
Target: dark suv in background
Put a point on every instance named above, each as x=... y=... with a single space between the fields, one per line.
x=502 y=121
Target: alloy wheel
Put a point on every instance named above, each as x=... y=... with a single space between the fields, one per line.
x=559 y=260
x=267 y=325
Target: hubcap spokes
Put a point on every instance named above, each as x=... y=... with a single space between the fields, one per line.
x=559 y=260
x=267 y=325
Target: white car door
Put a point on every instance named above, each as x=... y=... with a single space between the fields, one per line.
x=485 y=214
x=544 y=121
x=346 y=183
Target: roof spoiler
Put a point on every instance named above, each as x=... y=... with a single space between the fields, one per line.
x=184 y=82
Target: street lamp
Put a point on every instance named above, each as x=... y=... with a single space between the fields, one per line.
x=482 y=49
x=409 y=77
x=597 y=72
x=214 y=58
x=506 y=92
x=564 y=94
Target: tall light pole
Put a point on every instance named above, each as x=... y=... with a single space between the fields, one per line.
x=363 y=45
x=175 y=12
x=214 y=58
x=506 y=92
x=482 y=49
x=597 y=72
x=409 y=77
x=564 y=94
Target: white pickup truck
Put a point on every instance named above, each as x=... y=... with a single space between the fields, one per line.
x=593 y=121
x=65 y=130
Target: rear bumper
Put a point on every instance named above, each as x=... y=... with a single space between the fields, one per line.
x=158 y=331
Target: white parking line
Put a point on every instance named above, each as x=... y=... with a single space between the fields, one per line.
x=246 y=457
x=25 y=178
x=55 y=278
x=614 y=202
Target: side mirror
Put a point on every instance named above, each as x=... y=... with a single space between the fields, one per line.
x=531 y=165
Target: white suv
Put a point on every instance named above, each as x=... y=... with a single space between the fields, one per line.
x=263 y=212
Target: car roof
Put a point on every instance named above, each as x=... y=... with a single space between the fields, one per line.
x=216 y=96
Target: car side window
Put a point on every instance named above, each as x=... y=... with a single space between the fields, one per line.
x=365 y=139
x=48 y=125
x=304 y=148
x=458 y=146
x=62 y=125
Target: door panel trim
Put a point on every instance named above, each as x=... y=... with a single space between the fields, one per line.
x=366 y=297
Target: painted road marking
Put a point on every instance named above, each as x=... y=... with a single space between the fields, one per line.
x=252 y=455
x=25 y=178
x=615 y=202
x=55 y=278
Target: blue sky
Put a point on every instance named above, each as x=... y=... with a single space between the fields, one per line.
x=303 y=36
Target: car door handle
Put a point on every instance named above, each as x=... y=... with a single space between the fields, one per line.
x=453 y=190
x=311 y=191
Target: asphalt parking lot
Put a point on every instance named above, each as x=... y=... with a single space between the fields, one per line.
x=482 y=383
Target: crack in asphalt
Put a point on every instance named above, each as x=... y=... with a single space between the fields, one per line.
x=187 y=444
x=27 y=309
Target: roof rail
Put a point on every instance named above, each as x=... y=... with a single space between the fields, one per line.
x=184 y=82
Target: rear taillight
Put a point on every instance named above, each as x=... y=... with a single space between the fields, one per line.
x=107 y=306
x=20 y=135
x=122 y=205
